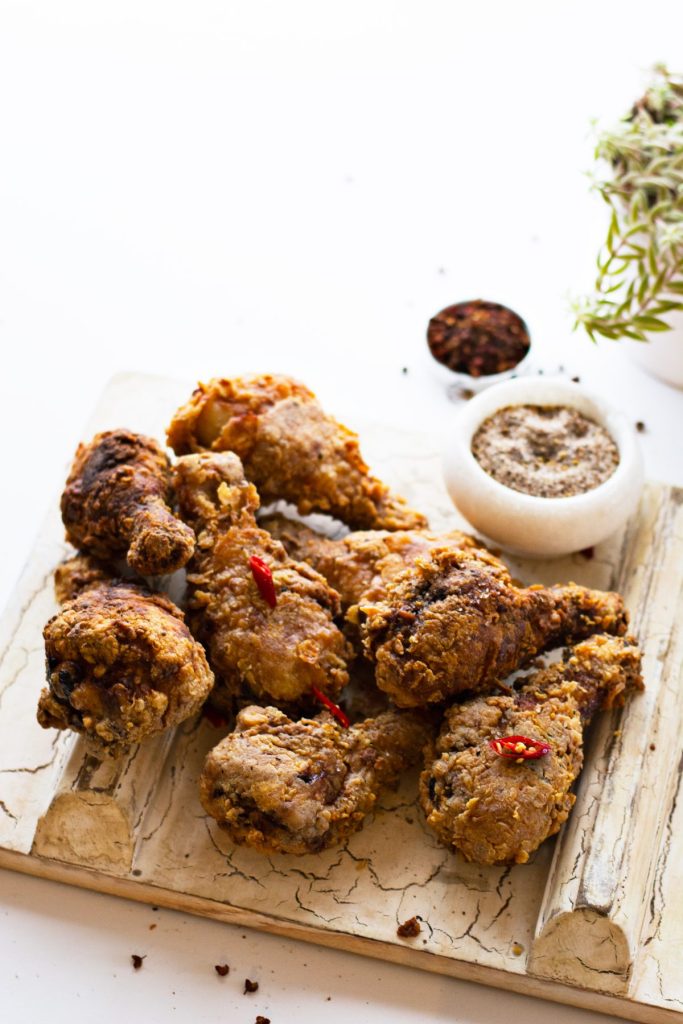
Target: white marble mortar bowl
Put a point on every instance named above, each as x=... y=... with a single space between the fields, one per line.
x=523 y=523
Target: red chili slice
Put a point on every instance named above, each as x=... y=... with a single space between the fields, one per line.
x=263 y=578
x=519 y=748
x=333 y=708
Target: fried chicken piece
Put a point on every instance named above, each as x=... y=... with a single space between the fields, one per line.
x=498 y=811
x=290 y=449
x=281 y=651
x=121 y=665
x=116 y=503
x=300 y=787
x=360 y=564
x=79 y=573
x=455 y=622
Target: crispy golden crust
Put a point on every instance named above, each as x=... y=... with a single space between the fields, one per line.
x=299 y=787
x=79 y=573
x=360 y=564
x=497 y=811
x=290 y=449
x=279 y=652
x=121 y=665
x=455 y=622
x=116 y=503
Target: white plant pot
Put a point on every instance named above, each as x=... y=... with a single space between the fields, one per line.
x=662 y=354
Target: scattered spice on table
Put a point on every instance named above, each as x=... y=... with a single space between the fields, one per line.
x=409 y=929
x=262 y=1020
x=222 y=969
x=478 y=337
x=250 y=986
x=640 y=427
x=576 y=380
x=137 y=960
x=152 y=927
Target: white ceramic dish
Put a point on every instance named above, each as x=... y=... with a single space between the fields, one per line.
x=525 y=524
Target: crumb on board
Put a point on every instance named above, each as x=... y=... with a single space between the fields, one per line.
x=136 y=960
x=517 y=948
x=640 y=427
x=409 y=929
x=250 y=986
x=222 y=969
x=152 y=927
x=262 y=1020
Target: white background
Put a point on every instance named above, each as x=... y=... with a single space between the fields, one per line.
x=200 y=188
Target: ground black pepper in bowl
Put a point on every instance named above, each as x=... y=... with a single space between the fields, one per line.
x=550 y=451
x=478 y=338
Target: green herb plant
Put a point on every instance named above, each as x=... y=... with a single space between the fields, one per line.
x=640 y=268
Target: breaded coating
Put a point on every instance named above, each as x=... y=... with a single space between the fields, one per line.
x=456 y=622
x=290 y=449
x=280 y=652
x=121 y=665
x=116 y=504
x=299 y=787
x=498 y=811
x=79 y=573
x=360 y=564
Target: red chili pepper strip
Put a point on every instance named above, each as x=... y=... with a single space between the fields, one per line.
x=263 y=578
x=519 y=748
x=333 y=708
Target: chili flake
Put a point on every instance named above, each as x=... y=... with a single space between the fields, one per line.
x=519 y=748
x=263 y=578
x=333 y=708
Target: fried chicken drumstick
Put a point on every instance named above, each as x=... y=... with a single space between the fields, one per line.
x=121 y=663
x=116 y=503
x=495 y=810
x=290 y=449
x=360 y=564
x=456 y=622
x=282 y=651
x=300 y=787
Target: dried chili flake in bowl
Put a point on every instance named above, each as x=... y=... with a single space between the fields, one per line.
x=479 y=339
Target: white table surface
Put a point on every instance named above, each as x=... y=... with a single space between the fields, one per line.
x=200 y=188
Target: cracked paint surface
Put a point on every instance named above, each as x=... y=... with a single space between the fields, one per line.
x=393 y=869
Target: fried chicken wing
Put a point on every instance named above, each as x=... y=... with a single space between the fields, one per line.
x=281 y=651
x=121 y=664
x=299 y=787
x=360 y=564
x=456 y=622
x=496 y=810
x=116 y=503
x=290 y=449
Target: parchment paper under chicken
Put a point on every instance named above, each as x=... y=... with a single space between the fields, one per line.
x=280 y=652
x=290 y=449
x=456 y=622
x=282 y=786
x=494 y=810
x=121 y=663
x=116 y=504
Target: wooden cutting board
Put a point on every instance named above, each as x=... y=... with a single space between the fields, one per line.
x=595 y=919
